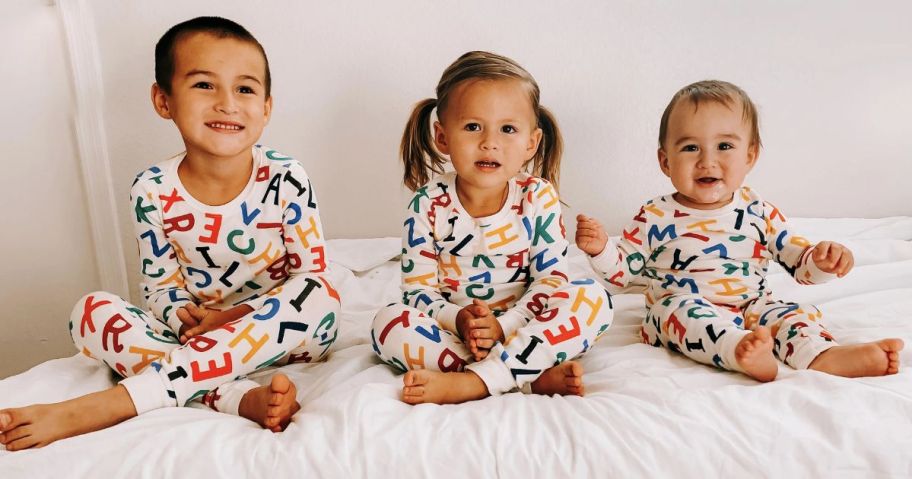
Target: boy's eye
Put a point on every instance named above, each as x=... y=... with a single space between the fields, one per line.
x=246 y=89
x=726 y=146
x=204 y=85
x=472 y=127
x=690 y=148
x=509 y=129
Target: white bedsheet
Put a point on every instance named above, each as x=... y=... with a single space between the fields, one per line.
x=647 y=412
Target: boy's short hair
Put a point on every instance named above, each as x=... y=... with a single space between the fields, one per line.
x=217 y=26
x=714 y=91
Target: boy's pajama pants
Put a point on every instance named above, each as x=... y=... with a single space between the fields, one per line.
x=710 y=333
x=571 y=321
x=297 y=322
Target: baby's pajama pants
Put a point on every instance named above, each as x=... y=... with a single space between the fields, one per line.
x=709 y=333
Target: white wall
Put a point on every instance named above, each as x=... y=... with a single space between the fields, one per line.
x=831 y=78
x=48 y=260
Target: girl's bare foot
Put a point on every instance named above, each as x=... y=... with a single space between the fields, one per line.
x=41 y=424
x=754 y=354
x=565 y=379
x=423 y=386
x=271 y=406
x=877 y=358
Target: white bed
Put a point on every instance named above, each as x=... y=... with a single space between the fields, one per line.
x=647 y=412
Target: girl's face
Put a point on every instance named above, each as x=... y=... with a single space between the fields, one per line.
x=707 y=153
x=217 y=98
x=489 y=130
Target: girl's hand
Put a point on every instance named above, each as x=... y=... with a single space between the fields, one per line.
x=833 y=257
x=484 y=330
x=590 y=236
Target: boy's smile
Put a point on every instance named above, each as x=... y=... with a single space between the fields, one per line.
x=217 y=97
x=707 y=153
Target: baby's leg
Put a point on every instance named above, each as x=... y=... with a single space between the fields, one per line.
x=105 y=327
x=433 y=358
x=541 y=354
x=803 y=342
x=709 y=334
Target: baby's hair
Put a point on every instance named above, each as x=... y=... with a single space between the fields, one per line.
x=417 y=150
x=216 y=26
x=716 y=91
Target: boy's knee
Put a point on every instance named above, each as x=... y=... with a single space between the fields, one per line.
x=83 y=320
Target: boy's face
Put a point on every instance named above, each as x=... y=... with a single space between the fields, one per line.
x=217 y=98
x=707 y=153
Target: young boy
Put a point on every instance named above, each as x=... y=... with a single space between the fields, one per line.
x=704 y=252
x=232 y=257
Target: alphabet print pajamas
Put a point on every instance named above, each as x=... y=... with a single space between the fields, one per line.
x=515 y=260
x=265 y=249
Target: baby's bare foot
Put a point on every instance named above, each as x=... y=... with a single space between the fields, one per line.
x=878 y=358
x=271 y=406
x=423 y=386
x=41 y=424
x=565 y=379
x=754 y=354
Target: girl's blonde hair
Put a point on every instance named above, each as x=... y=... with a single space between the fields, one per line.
x=417 y=150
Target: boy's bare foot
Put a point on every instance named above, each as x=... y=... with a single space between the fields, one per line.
x=565 y=379
x=271 y=406
x=754 y=354
x=877 y=358
x=423 y=386
x=41 y=424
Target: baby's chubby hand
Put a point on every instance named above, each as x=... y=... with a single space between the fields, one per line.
x=832 y=257
x=590 y=235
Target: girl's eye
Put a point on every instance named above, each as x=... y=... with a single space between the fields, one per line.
x=473 y=127
x=726 y=146
x=509 y=129
x=246 y=90
x=690 y=148
x=204 y=85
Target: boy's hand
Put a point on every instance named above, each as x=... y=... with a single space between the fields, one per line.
x=479 y=328
x=833 y=257
x=201 y=320
x=590 y=236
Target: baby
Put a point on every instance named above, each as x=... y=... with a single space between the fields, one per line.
x=704 y=252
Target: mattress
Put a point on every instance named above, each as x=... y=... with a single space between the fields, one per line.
x=647 y=411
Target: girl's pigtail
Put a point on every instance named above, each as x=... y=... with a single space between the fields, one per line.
x=417 y=148
x=547 y=159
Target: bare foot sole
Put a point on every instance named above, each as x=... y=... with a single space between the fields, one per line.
x=878 y=358
x=565 y=379
x=423 y=386
x=41 y=424
x=271 y=406
x=754 y=354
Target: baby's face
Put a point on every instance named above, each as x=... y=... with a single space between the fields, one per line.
x=218 y=95
x=707 y=153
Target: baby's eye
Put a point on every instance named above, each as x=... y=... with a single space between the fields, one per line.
x=246 y=90
x=726 y=146
x=690 y=148
x=203 y=84
x=472 y=127
x=509 y=129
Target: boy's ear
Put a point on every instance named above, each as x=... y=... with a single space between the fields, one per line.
x=440 y=139
x=160 y=102
x=267 y=111
x=663 y=162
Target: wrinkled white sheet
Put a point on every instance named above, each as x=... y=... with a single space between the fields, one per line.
x=647 y=412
